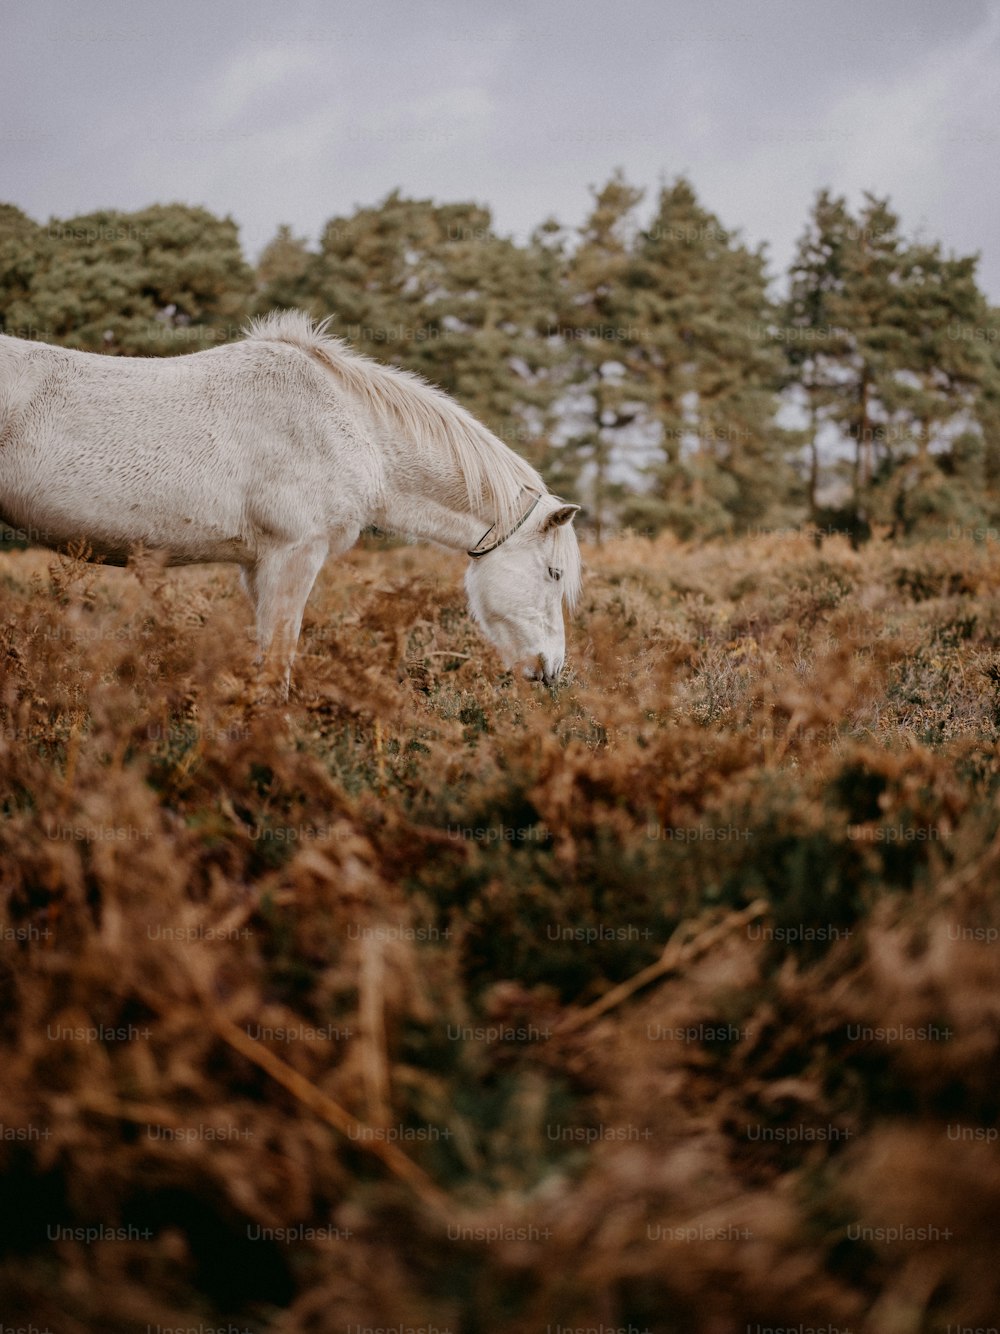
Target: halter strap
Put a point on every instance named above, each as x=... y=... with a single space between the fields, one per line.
x=475 y=553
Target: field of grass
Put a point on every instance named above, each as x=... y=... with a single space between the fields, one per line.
x=665 y=1000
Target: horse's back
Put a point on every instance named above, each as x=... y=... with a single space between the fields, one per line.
x=197 y=454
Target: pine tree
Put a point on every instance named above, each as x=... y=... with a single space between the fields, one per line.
x=936 y=395
x=163 y=280
x=601 y=386
x=284 y=273
x=814 y=347
x=712 y=371
x=885 y=366
x=874 y=348
x=21 y=244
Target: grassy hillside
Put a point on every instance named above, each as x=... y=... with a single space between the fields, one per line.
x=666 y=1000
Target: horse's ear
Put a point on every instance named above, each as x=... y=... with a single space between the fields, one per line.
x=560 y=516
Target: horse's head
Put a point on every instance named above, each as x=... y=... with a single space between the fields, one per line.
x=516 y=589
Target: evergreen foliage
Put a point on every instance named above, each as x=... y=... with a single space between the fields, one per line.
x=163 y=280
x=640 y=360
x=713 y=368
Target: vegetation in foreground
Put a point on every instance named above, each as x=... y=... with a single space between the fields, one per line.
x=667 y=1000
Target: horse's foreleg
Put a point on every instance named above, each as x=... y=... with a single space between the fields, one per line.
x=278 y=585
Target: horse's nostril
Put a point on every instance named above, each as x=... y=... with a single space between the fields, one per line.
x=539 y=671
x=551 y=677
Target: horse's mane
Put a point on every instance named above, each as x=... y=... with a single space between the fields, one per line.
x=494 y=476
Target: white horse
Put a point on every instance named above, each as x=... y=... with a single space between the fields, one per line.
x=274 y=453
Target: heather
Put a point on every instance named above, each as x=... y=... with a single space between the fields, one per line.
x=433 y=998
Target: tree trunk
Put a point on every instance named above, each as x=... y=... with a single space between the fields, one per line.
x=813 y=452
x=862 y=450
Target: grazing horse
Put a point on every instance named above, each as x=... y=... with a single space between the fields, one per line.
x=274 y=453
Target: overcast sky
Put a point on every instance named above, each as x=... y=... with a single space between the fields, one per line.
x=295 y=110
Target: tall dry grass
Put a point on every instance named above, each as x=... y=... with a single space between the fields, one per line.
x=668 y=999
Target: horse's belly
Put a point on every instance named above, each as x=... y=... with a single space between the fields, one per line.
x=111 y=528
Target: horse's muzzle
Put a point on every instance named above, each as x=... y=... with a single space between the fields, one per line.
x=541 y=672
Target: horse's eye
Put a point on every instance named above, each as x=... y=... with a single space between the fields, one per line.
x=555 y=574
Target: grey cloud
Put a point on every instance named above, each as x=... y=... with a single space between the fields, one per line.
x=296 y=112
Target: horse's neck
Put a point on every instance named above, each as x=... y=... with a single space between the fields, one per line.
x=415 y=516
x=422 y=498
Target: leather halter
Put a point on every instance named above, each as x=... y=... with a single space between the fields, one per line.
x=475 y=553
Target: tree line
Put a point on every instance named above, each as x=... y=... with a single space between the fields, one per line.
x=642 y=360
